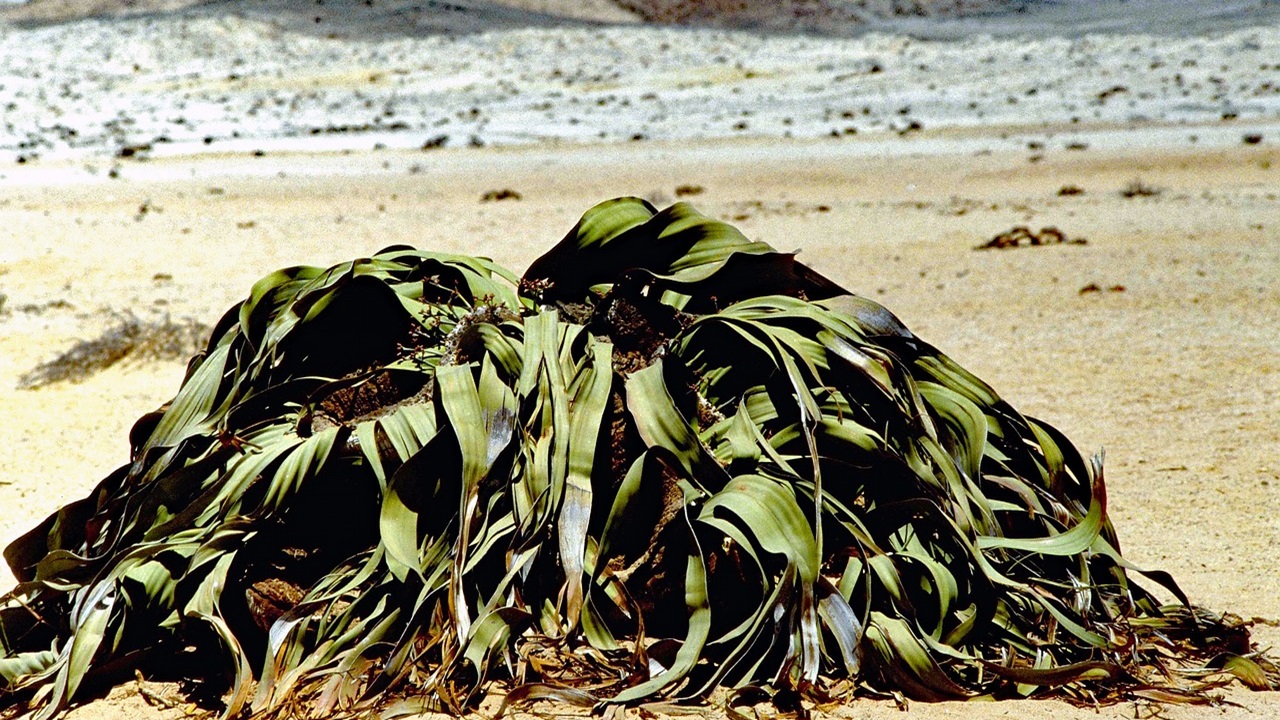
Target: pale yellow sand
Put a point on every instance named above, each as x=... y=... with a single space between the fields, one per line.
x=1178 y=376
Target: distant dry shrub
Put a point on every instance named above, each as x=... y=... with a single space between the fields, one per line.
x=1138 y=188
x=127 y=337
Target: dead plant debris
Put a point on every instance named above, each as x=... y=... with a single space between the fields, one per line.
x=499 y=195
x=1096 y=288
x=1022 y=236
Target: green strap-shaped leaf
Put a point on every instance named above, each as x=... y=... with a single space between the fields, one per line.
x=589 y=404
x=492 y=632
x=1060 y=675
x=660 y=424
x=695 y=598
x=268 y=295
x=629 y=493
x=303 y=462
x=194 y=405
x=24 y=666
x=588 y=254
x=776 y=522
x=89 y=621
x=900 y=655
x=461 y=402
x=409 y=492
x=964 y=423
x=1073 y=541
x=204 y=606
x=778 y=526
x=843 y=624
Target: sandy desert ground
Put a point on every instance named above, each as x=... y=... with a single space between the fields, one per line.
x=1172 y=364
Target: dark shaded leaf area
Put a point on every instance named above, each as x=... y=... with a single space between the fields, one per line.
x=668 y=459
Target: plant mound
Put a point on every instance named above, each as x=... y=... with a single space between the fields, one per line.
x=667 y=459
